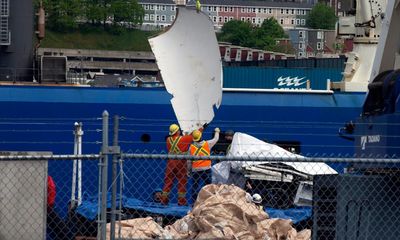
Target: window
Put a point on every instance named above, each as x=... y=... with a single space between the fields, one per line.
x=172 y=18
x=253 y=20
x=282 y=11
x=163 y=7
x=220 y=19
x=226 y=9
x=215 y=9
x=301 y=54
x=301 y=34
x=225 y=19
x=297 y=21
x=248 y=19
x=215 y=19
x=146 y=17
x=209 y=9
x=259 y=20
x=301 y=45
x=230 y=9
x=163 y=18
x=243 y=19
x=319 y=45
x=242 y=10
x=230 y=18
x=281 y=21
x=157 y=18
x=303 y=22
x=270 y=11
x=254 y=10
x=157 y=7
x=151 y=7
x=287 y=11
x=320 y=35
x=146 y=7
x=293 y=11
x=151 y=17
x=292 y=21
x=298 y=11
x=172 y=8
x=303 y=12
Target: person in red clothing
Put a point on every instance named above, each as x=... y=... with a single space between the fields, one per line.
x=176 y=144
x=51 y=192
x=56 y=227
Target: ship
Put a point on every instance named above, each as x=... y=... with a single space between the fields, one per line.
x=292 y=116
x=41 y=117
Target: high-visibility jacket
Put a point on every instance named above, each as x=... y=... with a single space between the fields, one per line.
x=203 y=150
x=178 y=144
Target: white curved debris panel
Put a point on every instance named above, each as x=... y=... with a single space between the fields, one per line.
x=246 y=145
x=190 y=64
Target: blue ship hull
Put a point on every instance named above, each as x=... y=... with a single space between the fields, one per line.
x=41 y=118
x=310 y=119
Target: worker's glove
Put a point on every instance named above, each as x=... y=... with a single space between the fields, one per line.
x=217 y=130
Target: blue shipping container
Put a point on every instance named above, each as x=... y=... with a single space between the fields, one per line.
x=280 y=78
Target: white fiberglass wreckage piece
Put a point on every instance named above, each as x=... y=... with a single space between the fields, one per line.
x=244 y=145
x=188 y=57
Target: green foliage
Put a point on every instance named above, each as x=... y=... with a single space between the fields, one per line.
x=89 y=37
x=246 y=35
x=62 y=15
x=237 y=33
x=65 y=15
x=322 y=17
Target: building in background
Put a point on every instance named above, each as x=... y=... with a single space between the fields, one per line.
x=161 y=13
x=314 y=42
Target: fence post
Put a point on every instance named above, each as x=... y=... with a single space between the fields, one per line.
x=114 y=179
x=79 y=145
x=73 y=187
x=102 y=221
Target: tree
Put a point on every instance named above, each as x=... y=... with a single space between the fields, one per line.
x=267 y=33
x=238 y=33
x=62 y=15
x=246 y=35
x=127 y=11
x=94 y=11
x=321 y=17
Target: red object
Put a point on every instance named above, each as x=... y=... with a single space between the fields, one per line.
x=51 y=192
x=176 y=169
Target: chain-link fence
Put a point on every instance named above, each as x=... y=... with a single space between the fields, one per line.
x=254 y=191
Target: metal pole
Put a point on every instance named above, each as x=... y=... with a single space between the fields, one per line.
x=114 y=179
x=103 y=213
x=79 y=134
x=121 y=186
x=73 y=187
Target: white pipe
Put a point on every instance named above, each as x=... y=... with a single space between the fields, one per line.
x=79 y=144
x=73 y=187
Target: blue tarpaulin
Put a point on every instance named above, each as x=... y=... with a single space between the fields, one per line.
x=88 y=209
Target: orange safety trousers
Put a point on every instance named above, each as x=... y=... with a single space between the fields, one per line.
x=175 y=169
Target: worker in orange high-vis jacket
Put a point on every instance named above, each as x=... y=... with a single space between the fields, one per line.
x=176 y=144
x=201 y=169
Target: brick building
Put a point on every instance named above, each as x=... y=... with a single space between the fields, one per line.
x=290 y=14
